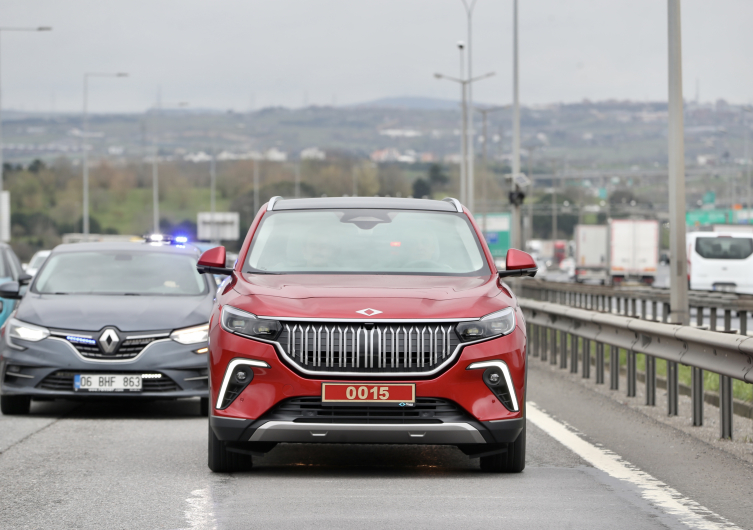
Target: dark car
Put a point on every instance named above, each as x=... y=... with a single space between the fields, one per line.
x=108 y=319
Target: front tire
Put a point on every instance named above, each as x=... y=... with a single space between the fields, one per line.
x=15 y=405
x=223 y=461
x=512 y=461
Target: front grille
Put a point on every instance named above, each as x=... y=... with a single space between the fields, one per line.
x=312 y=410
x=368 y=348
x=128 y=350
x=64 y=381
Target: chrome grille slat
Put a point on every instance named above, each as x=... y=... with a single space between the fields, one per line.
x=382 y=348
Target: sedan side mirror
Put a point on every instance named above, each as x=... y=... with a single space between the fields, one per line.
x=518 y=263
x=11 y=291
x=212 y=261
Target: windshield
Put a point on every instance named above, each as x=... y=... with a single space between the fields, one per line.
x=724 y=247
x=366 y=241
x=120 y=272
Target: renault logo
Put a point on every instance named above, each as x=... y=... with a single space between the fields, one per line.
x=109 y=340
x=369 y=312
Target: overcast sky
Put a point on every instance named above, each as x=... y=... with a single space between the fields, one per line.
x=228 y=54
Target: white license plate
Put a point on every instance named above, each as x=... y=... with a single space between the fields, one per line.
x=106 y=383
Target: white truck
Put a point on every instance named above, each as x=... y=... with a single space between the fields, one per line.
x=591 y=253
x=633 y=250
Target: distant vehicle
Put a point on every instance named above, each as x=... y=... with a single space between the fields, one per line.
x=36 y=262
x=719 y=261
x=634 y=250
x=108 y=319
x=591 y=249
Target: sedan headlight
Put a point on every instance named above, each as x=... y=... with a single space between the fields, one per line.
x=243 y=323
x=493 y=325
x=23 y=331
x=192 y=335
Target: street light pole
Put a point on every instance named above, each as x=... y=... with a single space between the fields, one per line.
x=84 y=134
x=517 y=239
x=5 y=230
x=212 y=206
x=469 y=132
x=463 y=130
x=678 y=278
x=464 y=83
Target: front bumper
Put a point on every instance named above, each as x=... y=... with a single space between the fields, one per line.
x=254 y=415
x=184 y=373
x=449 y=433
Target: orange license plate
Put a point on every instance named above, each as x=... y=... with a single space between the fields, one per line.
x=368 y=393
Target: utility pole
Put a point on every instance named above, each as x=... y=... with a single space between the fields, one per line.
x=463 y=131
x=469 y=132
x=517 y=237
x=297 y=180
x=554 y=213
x=256 y=187
x=213 y=185
x=354 y=171
x=747 y=157
x=678 y=278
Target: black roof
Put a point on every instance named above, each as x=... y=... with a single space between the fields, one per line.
x=375 y=203
x=131 y=246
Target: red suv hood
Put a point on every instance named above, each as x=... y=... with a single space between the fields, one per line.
x=340 y=296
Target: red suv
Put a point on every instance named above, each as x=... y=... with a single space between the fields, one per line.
x=366 y=320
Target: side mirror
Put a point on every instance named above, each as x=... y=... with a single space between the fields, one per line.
x=212 y=261
x=518 y=263
x=25 y=279
x=11 y=291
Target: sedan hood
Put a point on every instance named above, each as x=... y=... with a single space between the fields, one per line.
x=127 y=313
x=382 y=296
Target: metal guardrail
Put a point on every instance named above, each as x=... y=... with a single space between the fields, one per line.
x=647 y=302
x=553 y=330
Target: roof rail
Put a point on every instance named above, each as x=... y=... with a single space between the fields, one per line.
x=455 y=202
x=271 y=203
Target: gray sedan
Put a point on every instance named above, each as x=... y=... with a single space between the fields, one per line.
x=108 y=319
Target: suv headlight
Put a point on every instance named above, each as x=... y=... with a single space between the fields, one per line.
x=23 y=331
x=192 y=335
x=493 y=325
x=242 y=323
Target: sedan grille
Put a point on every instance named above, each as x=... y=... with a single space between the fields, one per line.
x=129 y=349
x=366 y=348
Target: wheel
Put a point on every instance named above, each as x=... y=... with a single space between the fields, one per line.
x=223 y=461
x=15 y=405
x=204 y=407
x=513 y=461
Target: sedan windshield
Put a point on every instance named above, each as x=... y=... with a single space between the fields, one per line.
x=120 y=273
x=367 y=242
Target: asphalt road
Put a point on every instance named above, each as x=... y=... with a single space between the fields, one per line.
x=126 y=465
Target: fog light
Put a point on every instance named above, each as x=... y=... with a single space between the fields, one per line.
x=494 y=378
x=240 y=376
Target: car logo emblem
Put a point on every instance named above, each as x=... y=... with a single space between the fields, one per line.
x=369 y=312
x=109 y=340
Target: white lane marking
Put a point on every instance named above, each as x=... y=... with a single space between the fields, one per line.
x=199 y=514
x=653 y=490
